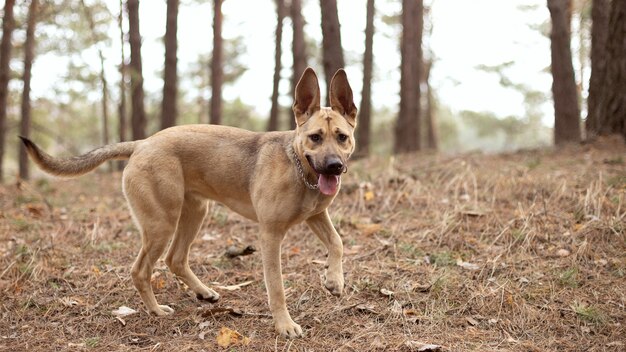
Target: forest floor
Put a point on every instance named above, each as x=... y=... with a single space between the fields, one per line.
x=514 y=252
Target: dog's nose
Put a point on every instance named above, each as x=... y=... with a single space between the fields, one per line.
x=334 y=165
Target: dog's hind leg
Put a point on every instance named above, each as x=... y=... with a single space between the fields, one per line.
x=177 y=259
x=155 y=202
x=321 y=225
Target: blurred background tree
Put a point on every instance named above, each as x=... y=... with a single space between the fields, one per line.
x=87 y=43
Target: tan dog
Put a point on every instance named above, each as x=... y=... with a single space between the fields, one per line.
x=276 y=178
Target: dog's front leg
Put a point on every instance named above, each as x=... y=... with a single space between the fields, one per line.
x=270 y=251
x=321 y=225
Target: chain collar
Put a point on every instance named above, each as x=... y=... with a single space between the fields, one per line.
x=301 y=172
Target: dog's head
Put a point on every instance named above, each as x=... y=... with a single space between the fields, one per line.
x=325 y=135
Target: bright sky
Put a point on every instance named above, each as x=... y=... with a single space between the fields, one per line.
x=466 y=34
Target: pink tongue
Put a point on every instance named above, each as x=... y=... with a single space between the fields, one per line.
x=328 y=184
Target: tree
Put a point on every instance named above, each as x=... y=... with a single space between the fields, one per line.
x=138 y=118
x=429 y=118
x=29 y=57
x=272 y=124
x=613 y=113
x=566 y=108
x=407 y=131
x=298 y=48
x=365 y=110
x=170 y=75
x=217 y=73
x=96 y=38
x=8 y=24
x=331 y=42
x=121 y=109
x=599 y=33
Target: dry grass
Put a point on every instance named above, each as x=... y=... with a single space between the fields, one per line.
x=516 y=252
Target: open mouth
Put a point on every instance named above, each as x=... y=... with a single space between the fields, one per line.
x=327 y=183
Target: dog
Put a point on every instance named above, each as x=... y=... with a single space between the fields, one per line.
x=278 y=179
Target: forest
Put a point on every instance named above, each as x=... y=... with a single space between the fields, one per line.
x=484 y=207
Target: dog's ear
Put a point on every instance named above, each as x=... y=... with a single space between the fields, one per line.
x=341 y=97
x=307 y=96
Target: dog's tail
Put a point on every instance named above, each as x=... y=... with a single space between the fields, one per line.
x=77 y=165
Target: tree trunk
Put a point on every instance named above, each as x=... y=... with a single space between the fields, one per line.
x=272 y=124
x=599 y=33
x=298 y=49
x=217 y=71
x=138 y=118
x=169 y=109
x=29 y=57
x=331 y=42
x=122 y=105
x=566 y=110
x=103 y=80
x=613 y=115
x=431 y=127
x=407 y=132
x=8 y=24
x=365 y=110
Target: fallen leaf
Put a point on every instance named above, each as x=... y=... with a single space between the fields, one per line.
x=471 y=321
x=369 y=308
x=235 y=287
x=466 y=265
x=386 y=292
x=219 y=310
x=368 y=229
x=68 y=302
x=562 y=252
x=121 y=320
x=422 y=347
x=369 y=195
x=123 y=311
x=227 y=337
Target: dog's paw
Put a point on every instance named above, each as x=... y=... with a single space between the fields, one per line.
x=288 y=328
x=334 y=284
x=162 y=310
x=208 y=295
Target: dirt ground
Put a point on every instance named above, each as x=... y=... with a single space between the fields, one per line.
x=515 y=252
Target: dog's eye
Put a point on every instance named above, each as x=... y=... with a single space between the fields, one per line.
x=315 y=137
x=342 y=137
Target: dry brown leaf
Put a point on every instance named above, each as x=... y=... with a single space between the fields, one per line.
x=368 y=229
x=386 y=292
x=220 y=310
x=227 y=337
x=471 y=321
x=123 y=311
x=422 y=347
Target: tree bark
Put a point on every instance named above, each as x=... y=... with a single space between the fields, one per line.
x=331 y=42
x=298 y=49
x=217 y=71
x=138 y=118
x=121 y=109
x=169 y=109
x=599 y=32
x=407 y=132
x=566 y=109
x=29 y=57
x=613 y=114
x=272 y=124
x=8 y=24
x=365 y=110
